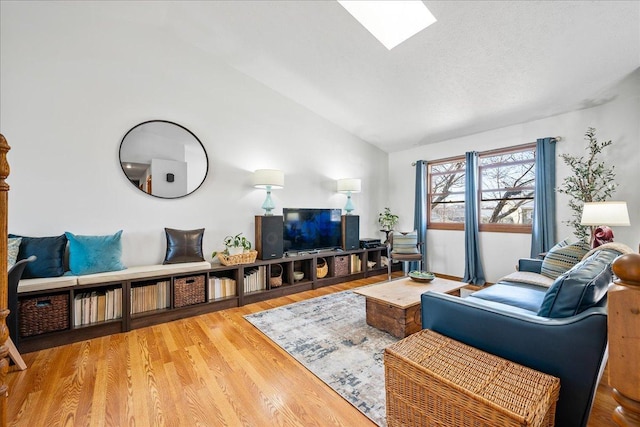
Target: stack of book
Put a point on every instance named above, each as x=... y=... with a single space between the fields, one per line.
x=97 y=306
x=355 y=264
x=221 y=287
x=255 y=279
x=150 y=297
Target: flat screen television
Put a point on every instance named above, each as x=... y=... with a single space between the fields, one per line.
x=307 y=229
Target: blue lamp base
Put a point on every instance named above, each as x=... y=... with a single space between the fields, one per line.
x=349 y=207
x=268 y=204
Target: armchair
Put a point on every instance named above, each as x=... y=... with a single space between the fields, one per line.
x=563 y=334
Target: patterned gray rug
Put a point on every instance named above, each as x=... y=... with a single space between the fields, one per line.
x=330 y=337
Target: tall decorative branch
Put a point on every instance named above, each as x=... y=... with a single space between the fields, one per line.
x=589 y=181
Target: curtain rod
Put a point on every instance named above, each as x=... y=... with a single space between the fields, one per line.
x=554 y=139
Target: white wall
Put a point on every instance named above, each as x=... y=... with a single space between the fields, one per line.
x=75 y=79
x=615 y=118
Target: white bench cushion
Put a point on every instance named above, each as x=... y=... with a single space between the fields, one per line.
x=142 y=271
x=45 y=283
x=132 y=273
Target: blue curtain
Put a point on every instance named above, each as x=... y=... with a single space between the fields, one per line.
x=420 y=212
x=543 y=229
x=473 y=272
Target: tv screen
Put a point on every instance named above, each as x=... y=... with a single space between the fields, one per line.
x=311 y=229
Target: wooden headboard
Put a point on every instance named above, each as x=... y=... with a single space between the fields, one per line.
x=4 y=312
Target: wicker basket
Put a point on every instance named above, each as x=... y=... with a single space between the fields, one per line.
x=188 y=290
x=341 y=265
x=322 y=268
x=44 y=313
x=276 y=276
x=243 y=258
x=436 y=381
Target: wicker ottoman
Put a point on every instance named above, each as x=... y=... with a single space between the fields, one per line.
x=432 y=380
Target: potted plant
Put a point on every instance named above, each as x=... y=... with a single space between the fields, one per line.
x=235 y=245
x=589 y=181
x=387 y=221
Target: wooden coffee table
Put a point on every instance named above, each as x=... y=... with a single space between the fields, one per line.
x=394 y=306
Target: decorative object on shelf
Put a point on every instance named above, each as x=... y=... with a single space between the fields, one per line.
x=248 y=257
x=276 y=276
x=387 y=221
x=349 y=185
x=601 y=215
x=322 y=269
x=238 y=251
x=421 y=276
x=269 y=179
x=298 y=275
x=589 y=180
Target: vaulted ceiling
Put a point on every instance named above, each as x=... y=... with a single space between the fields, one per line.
x=482 y=65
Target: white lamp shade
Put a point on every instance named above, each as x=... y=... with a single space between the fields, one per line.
x=611 y=214
x=346 y=185
x=268 y=177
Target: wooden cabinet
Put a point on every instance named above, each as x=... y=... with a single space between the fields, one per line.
x=90 y=311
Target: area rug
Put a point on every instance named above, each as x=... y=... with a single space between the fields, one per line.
x=330 y=337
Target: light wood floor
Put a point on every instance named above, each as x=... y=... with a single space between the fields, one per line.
x=210 y=370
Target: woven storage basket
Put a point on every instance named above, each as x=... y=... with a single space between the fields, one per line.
x=432 y=380
x=45 y=313
x=342 y=265
x=188 y=290
x=243 y=258
x=276 y=276
x=322 y=269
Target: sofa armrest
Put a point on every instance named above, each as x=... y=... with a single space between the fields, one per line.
x=530 y=264
x=572 y=349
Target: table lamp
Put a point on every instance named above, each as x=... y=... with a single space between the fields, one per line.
x=349 y=185
x=602 y=215
x=269 y=179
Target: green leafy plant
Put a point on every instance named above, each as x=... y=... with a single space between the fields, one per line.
x=237 y=241
x=589 y=181
x=387 y=220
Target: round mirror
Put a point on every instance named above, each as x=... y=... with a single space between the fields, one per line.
x=163 y=159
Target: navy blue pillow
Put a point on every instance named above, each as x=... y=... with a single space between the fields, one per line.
x=49 y=252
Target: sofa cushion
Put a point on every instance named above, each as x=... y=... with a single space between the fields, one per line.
x=581 y=287
x=94 y=254
x=49 y=252
x=405 y=243
x=529 y=278
x=562 y=257
x=183 y=246
x=528 y=297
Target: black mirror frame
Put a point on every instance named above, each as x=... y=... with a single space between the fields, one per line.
x=206 y=173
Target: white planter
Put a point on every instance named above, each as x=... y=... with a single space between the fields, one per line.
x=235 y=251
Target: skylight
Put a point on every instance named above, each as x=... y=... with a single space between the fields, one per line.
x=391 y=22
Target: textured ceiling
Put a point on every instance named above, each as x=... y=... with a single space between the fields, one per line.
x=483 y=65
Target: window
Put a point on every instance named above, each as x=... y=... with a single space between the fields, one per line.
x=507 y=182
x=506 y=185
x=446 y=193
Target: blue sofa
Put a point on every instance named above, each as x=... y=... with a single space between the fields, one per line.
x=560 y=330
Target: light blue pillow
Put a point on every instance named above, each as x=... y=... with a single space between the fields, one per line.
x=13 y=248
x=94 y=254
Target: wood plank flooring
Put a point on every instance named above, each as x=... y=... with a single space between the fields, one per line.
x=210 y=370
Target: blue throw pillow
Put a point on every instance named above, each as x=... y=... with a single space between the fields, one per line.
x=581 y=287
x=49 y=252
x=405 y=243
x=94 y=254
